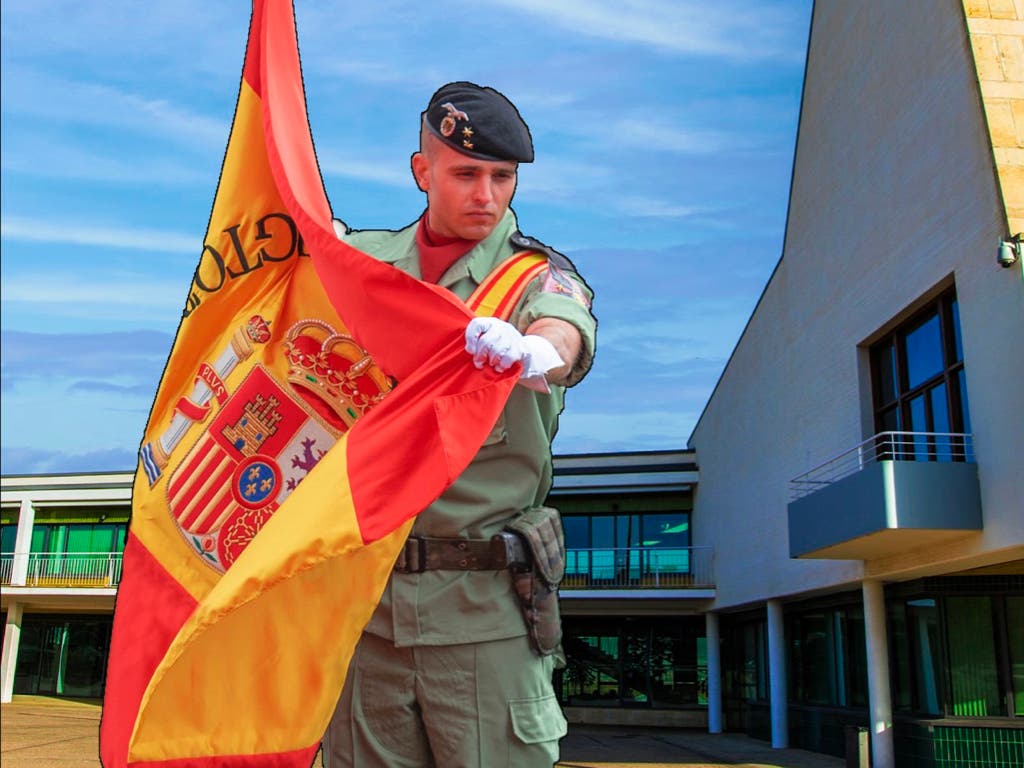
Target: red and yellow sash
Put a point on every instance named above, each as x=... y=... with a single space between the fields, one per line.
x=502 y=289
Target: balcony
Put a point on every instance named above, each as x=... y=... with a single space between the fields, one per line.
x=894 y=492
x=65 y=570
x=658 y=571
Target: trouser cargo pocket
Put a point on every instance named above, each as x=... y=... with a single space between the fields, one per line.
x=539 y=720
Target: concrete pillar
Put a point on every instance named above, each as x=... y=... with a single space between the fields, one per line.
x=9 y=662
x=714 y=673
x=777 y=674
x=22 y=543
x=883 y=754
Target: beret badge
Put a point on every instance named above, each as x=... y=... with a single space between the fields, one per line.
x=447 y=126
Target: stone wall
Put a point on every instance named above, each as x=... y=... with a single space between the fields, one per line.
x=996 y=30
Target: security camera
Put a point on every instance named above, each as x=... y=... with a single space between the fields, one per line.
x=1009 y=252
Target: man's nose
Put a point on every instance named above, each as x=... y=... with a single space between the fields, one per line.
x=482 y=191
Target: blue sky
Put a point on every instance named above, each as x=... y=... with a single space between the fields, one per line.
x=664 y=135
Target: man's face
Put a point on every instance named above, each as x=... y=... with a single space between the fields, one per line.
x=466 y=197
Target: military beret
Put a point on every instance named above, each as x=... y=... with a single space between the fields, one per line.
x=479 y=122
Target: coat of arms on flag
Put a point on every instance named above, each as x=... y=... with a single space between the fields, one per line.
x=266 y=438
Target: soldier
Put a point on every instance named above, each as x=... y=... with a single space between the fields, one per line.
x=454 y=667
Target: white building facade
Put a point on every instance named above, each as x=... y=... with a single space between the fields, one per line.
x=861 y=456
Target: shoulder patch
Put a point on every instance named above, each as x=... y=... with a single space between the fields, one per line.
x=558 y=281
x=526 y=243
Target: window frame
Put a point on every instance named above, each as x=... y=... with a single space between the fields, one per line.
x=945 y=307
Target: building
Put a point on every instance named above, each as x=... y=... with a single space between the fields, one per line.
x=628 y=529
x=861 y=456
x=849 y=559
x=61 y=539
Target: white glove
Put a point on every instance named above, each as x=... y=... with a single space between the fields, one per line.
x=501 y=345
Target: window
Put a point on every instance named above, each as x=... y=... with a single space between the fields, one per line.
x=634 y=662
x=79 y=538
x=8 y=535
x=974 y=688
x=958 y=655
x=828 y=657
x=1015 y=643
x=918 y=382
x=63 y=655
x=619 y=547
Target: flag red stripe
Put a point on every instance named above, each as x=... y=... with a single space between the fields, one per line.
x=186 y=475
x=214 y=484
x=151 y=607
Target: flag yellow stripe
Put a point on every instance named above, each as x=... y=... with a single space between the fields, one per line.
x=309 y=553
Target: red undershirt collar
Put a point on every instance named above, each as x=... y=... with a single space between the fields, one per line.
x=438 y=252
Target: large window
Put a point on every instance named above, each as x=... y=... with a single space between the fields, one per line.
x=633 y=662
x=828 y=660
x=627 y=546
x=63 y=655
x=959 y=655
x=78 y=538
x=918 y=379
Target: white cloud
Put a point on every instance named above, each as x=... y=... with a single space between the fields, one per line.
x=640 y=131
x=380 y=171
x=654 y=208
x=726 y=29
x=73 y=291
x=55 y=158
x=54 y=231
x=75 y=102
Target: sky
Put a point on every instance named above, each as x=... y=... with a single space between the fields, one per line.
x=664 y=133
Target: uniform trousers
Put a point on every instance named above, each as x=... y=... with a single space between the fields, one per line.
x=477 y=705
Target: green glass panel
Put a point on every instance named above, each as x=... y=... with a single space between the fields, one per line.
x=40 y=536
x=923 y=629
x=974 y=687
x=8 y=535
x=1015 y=632
x=899 y=657
x=80 y=539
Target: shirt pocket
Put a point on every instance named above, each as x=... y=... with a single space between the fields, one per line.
x=539 y=720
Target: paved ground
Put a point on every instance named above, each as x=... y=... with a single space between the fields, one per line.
x=39 y=732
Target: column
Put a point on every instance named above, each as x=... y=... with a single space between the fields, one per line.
x=9 y=662
x=714 y=673
x=22 y=543
x=777 y=674
x=883 y=754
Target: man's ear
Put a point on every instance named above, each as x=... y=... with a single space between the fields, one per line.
x=420 y=170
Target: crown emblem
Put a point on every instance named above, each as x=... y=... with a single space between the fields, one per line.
x=332 y=367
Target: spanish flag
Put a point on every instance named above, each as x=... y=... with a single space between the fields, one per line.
x=315 y=400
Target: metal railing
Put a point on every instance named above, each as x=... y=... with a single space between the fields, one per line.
x=885 y=446
x=63 y=569
x=639 y=568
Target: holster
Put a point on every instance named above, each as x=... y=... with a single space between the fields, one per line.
x=540 y=528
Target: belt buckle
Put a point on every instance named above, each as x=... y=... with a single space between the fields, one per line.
x=413 y=556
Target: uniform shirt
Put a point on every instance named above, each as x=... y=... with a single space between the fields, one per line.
x=512 y=471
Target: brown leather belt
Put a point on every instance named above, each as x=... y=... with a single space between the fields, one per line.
x=505 y=550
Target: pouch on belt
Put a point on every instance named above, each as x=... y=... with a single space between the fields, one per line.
x=537 y=586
